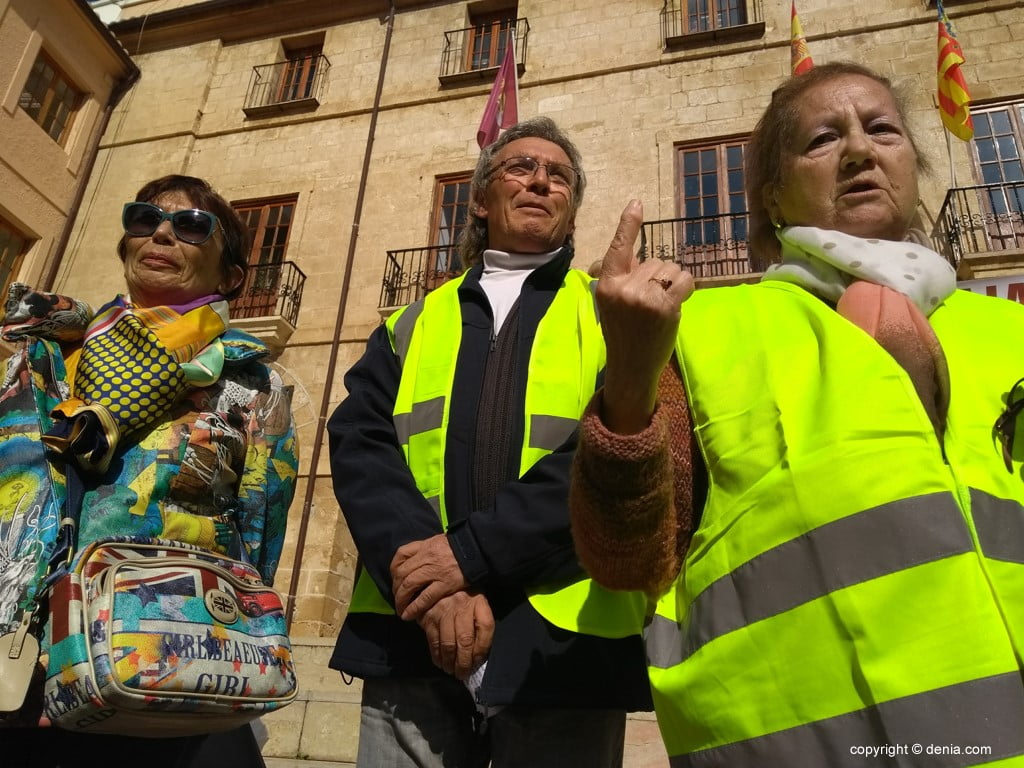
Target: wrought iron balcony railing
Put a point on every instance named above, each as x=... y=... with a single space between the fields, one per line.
x=707 y=246
x=980 y=219
x=412 y=273
x=291 y=84
x=474 y=52
x=271 y=289
x=684 y=20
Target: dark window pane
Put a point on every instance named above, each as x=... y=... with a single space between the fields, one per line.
x=1008 y=148
x=997 y=201
x=1000 y=121
x=1013 y=172
x=982 y=126
x=991 y=174
x=708 y=160
x=986 y=150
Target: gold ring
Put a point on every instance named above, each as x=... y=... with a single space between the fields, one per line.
x=665 y=284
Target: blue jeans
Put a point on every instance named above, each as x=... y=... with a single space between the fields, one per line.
x=432 y=723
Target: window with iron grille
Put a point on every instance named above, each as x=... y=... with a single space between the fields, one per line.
x=998 y=139
x=489 y=35
x=13 y=245
x=269 y=222
x=691 y=17
x=451 y=211
x=997 y=149
x=49 y=98
x=687 y=23
x=298 y=76
x=702 y=15
x=712 y=200
x=709 y=236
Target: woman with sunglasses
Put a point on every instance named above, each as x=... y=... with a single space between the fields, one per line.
x=174 y=424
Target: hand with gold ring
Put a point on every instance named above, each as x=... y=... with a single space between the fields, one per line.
x=639 y=305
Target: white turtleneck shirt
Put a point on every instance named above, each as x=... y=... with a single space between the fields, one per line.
x=503 y=277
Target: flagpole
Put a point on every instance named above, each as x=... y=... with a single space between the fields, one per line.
x=515 y=65
x=949 y=154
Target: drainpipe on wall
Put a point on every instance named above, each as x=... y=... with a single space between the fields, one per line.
x=332 y=363
x=120 y=89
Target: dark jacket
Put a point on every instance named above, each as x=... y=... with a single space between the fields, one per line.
x=519 y=539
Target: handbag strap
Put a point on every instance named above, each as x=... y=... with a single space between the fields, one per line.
x=67 y=534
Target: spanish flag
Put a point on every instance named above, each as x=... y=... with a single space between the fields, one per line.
x=800 y=56
x=954 y=100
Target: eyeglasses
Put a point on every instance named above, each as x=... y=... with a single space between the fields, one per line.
x=523 y=168
x=1006 y=425
x=193 y=226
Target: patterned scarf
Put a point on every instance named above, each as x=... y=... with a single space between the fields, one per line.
x=131 y=368
x=886 y=288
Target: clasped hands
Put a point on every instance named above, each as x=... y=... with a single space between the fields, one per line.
x=430 y=589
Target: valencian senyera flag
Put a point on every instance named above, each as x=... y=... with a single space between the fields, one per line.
x=954 y=100
x=799 y=54
x=502 y=110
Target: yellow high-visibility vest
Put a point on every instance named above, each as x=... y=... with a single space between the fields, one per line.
x=853 y=582
x=566 y=357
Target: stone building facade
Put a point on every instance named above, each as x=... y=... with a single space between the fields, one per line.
x=61 y=73
x=345 y=131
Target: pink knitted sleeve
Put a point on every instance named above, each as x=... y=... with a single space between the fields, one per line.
x=629 y=501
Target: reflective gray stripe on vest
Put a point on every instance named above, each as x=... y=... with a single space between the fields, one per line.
x=403 y=330
x=857 y=548
x=980 y=713
x=435 y=504
x=1000 y=526
x=549 y=432
x=593 y=296
x=424 y=417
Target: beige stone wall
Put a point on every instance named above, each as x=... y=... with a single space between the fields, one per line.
x=597 y=67
x=38 y=176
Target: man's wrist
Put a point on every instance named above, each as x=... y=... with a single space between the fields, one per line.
x=467 y=552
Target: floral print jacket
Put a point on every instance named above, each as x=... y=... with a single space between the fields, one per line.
x=225 y=451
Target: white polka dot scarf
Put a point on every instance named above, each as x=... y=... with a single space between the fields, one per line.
x=886 y=288
x=825 y=263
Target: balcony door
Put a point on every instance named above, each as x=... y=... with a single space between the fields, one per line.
x=711 y=239
x=489 y=35
x=703 y=15
x=997 y=149
x=451 y=210
x=299 y=74
x=269 y=223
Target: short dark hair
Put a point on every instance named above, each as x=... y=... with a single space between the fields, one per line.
x=201 y=195
x=473 y=240
x=763 y=156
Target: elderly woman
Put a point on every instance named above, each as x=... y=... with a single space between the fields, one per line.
x=175 y=426
x=812 y=492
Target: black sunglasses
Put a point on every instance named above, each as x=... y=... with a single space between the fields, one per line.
x=1006 y=425
x=193 y=226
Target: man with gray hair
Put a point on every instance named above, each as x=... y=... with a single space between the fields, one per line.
x=478 y=637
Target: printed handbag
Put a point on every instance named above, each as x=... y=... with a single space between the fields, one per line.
x=151 y=637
